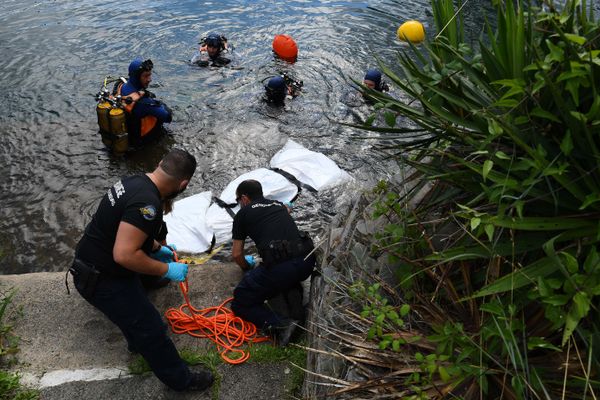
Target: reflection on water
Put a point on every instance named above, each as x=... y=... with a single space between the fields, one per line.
x=54 y=56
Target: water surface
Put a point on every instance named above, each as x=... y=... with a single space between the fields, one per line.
x=55 y=54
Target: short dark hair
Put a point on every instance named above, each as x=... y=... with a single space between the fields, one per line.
x=250 y=188
x=179 y=164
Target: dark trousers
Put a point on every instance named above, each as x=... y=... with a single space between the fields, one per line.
x=263 y=283
x=124 y=302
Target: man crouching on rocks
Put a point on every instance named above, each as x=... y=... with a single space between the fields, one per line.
x=283 y=249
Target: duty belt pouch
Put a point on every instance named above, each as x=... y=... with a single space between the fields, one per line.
x=86 y=277
x=278 y=251
x=275 y=252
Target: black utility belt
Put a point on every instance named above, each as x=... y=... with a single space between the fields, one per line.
x=278 y=251
x=86 y=275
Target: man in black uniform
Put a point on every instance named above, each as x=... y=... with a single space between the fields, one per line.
x=118 y=245
x=283 y=250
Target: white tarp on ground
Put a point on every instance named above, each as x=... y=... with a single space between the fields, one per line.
x=194 y=221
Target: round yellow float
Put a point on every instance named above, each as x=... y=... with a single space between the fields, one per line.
x=411 y=31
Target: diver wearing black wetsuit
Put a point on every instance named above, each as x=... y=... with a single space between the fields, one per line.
x=212 y=51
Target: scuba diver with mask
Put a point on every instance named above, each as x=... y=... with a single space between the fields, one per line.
x=211 y=51
x=281 y=87
x=145 y=114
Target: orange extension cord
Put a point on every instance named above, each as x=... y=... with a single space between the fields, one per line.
x=218 y=324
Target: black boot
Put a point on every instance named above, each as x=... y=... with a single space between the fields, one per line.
x=282 y=334
x=201 y=380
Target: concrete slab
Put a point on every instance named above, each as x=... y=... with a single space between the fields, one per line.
x=61 y=331
x=69 y=350
x=245 y=381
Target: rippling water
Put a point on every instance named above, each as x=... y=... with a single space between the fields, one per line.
x=54 y=55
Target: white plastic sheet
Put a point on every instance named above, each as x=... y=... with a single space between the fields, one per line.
x=187 y=224
x=194 y=220
x=309 y=167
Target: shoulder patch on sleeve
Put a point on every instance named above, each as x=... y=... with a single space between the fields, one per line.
x=148 y=212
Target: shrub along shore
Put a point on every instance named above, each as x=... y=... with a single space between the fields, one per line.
x=484 y=277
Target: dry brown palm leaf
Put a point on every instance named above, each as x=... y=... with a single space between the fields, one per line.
x=394 y=380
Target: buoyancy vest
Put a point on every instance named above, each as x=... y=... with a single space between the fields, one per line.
x=146 y=123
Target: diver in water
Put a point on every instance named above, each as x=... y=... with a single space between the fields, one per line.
x=212 y=51
x=281 y=87
x=145 y=114
x=373 y=80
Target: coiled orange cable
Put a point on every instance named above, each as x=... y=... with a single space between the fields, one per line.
x=218 y=324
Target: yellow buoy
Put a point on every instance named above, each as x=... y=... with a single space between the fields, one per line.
x=411 y=31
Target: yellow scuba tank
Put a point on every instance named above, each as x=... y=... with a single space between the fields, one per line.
x=118 y=129
x=102 y=110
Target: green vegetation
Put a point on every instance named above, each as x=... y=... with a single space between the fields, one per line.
x=497 y=253
x=295 y=355
x=138 y=366
x=267 y=353
x=10 y=387
x=8 y=341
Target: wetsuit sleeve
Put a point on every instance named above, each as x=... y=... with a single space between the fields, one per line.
x=147 y=106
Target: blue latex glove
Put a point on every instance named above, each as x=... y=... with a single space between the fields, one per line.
x=177 y=271
x=172 y=247
x=164 y=254
x=288 y=204
x=250 y=261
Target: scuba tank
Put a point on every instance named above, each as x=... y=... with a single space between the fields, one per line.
x=118 y=130
x=111 y=118
x=102 y=110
